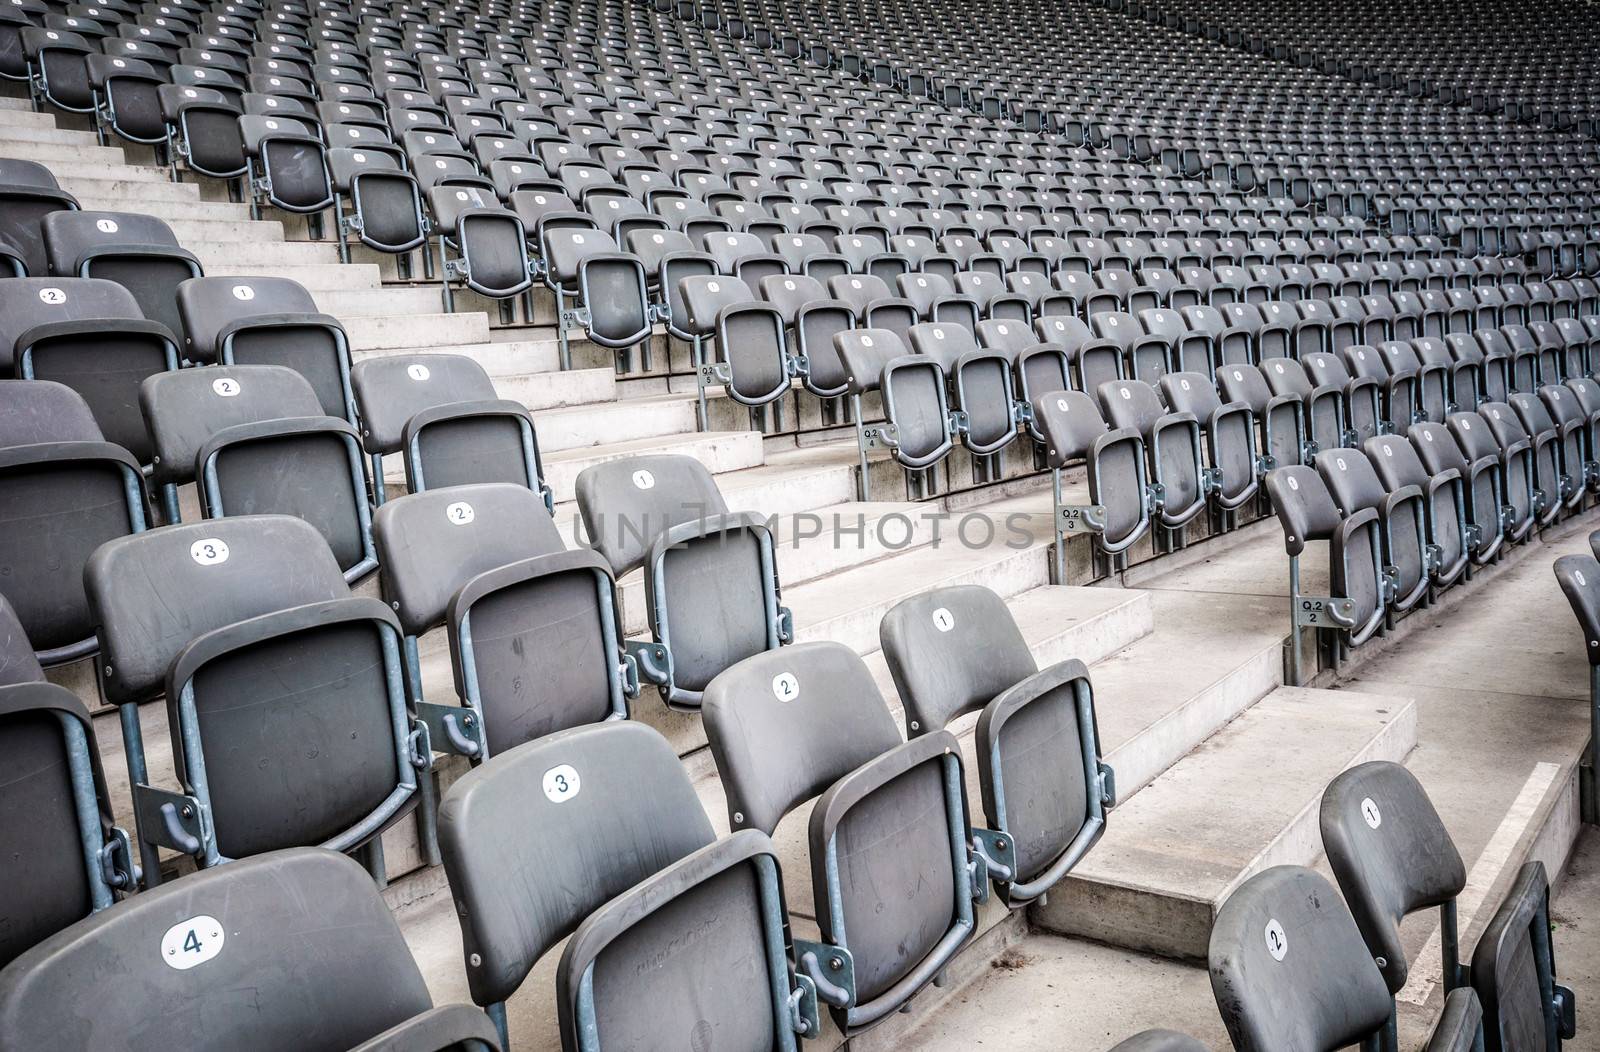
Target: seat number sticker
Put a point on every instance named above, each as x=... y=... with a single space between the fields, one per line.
x=459 y=513
x=1277 y=942
x=226 y=386
x=785 y=687
x=642 y=479
x=52 y=296
x=561 y=783
x=243 y=292
x=943 y=620
x=417 y=371
x=192 y=942
x=209 y=551
x=1370 y=812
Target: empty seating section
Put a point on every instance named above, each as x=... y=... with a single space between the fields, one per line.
x=353 y=559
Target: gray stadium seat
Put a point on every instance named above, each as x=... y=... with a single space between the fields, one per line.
x=268 y=321
x=89 y=334
x=1393 y=856
x=64 y=857
x=441 y=412
x=255 y=440
x=887 y=813
x=956 y=650
x=918 y=427
x=63 y=491
x=1514 y=971
x=1356 y=607
x=138 y=252
x=532 y=627
x=1289 y=969
x=710 y=576
x=657 y=909
x=1579 y=577
x=1120 y=504
x=304 y=931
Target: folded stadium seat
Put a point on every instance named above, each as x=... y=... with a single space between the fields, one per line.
x=957 y=650
x=268 y=321
x=1233 y=474
x=1289 y=970
x=1313 y=330
x=1121 y=500
x=265 y=664
x=58 y=72
x=1477 y=376
x=1429 y=381
x=866 y=253
x=1552 y=350
x=138 y=252
x=813 y=319
x=704 y=298
x=1392 y=856
x=1514 y=346
x=303 y=929
x=994 y=296
x=710 y=576
x=756 y=367
x=874 y=305
x=935 y=299
x=124 y=88
x=384 y=204
x=1356 y=607
x=801 y=252
x=1521 y=502
x=1325 y=413
x=1576 y=346
x=1281 y=421
x=883 y=806
x=89 y=334
x=658 y=910
x=1540 y=419
x=981 y=382
x=64 y=858
x=668 y=257
x=1399 y=390
x=1578 y=402
x=486 y=562
x=202 y=132
x=482 y=245
x=744 y=256
x=1579 y=577
x=1447 y=499
x=442 y=413
x=1277 y=336
x=1158 y=1041
x=1551 y=486
x=918 y=426
x=1408 y=563
x=255 y=440
x=1514 y=971
x=609 y=290
x=28 y=193
x=286 y=166
x=1172 y=442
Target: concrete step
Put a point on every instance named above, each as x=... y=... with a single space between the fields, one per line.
x=1245 y=801
x=370 y=332
x=22 y=117
x=319 y=278
x=261 y=257
x=576 y=427
x=498 y=359
x=120 y=193
x=378 y=302
x=108 y=170
x=719 y=451
x=47 y=133
x=226 y=231
x=85 y=154
x=168 y=211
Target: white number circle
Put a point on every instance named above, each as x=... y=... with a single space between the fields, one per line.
x=1277 y=941
x=209 y=551
x=460 y=513
x=192 y=942
x=642 y=479
x=561 y=783
x=52 y=296
x=106 y=226
x=785 y=687
x=226 y=386
x=243 y=292
x=417 y=371
x=943 y=620
x=1370 y=812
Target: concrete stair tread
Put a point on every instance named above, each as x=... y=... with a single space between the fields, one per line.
x=1170 y=855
